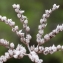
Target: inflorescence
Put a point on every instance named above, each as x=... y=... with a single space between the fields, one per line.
x=20 y=51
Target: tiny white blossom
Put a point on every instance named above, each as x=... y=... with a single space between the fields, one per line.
x=43 y=20
x=24 y=17
x=54 y=48
x=17 y=10
x=9 y=20
x=55 y=7
x=7 y=55
x=16 y=27
x=15 y=56
x=21 y=11
x=32 y=47
x=50 y=11
x=24 y=25
x=4 y=18
x=1 y=40
x=41 y=32
x=28 y=36
x=18 y=15
x=38 y=36
x=40 y=27
x=12 y=45
x=4 y=59
x=12 y=24
x=27 y=41
x=26 y=21
x=10 y=51
x=42 y=41
x=44 y=15
x=61 y=28
x=17 y=6
x=36 y=49
x=59 y=47
x=14 y=5
x=27 y=28
x=47 y=11
x=46 y=37
x=34 y=57
x=38 y=40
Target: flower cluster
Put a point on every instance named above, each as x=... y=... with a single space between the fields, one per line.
x=24 y=20
x=43 y=24
x=20 y=51
x=46 y=50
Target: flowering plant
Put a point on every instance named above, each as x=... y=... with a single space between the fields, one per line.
x=20 y=51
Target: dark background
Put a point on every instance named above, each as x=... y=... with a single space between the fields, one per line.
x=33 y=10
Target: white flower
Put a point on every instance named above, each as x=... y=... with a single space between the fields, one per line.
x=34 y=57
x=10 y=51
x=44 y=15
x=17 y=10
x=32 y=47
x=9 y=20
x=43 y=20
x=26 y=21
x=11 y=24
x=23 y=40
x=1 y=40
x=23 y=17
x=4 y=59
x=50 y=11
x=15 y=56
x=4 y=18
x=19 y=33
x=38 y=36
x=55 y=7
x=16 y=27
x=54 y=48
x=38 y=40
x=47 y=11
x=61 y=28
x=43 y=25
x=27 y=41
x=28 y=36
x=21 y=11
x=19 y=52
x=41 y=32
x=18 y=15
x=24 y=25
x=14 y=5
x=46 y=37
x=7 y=55
x=36 y=49
x=58 y=47
x=40 y=27
x=27 y=28
x=12 y=45
x=42 y=41
x=46 y=51
x=17 y=6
